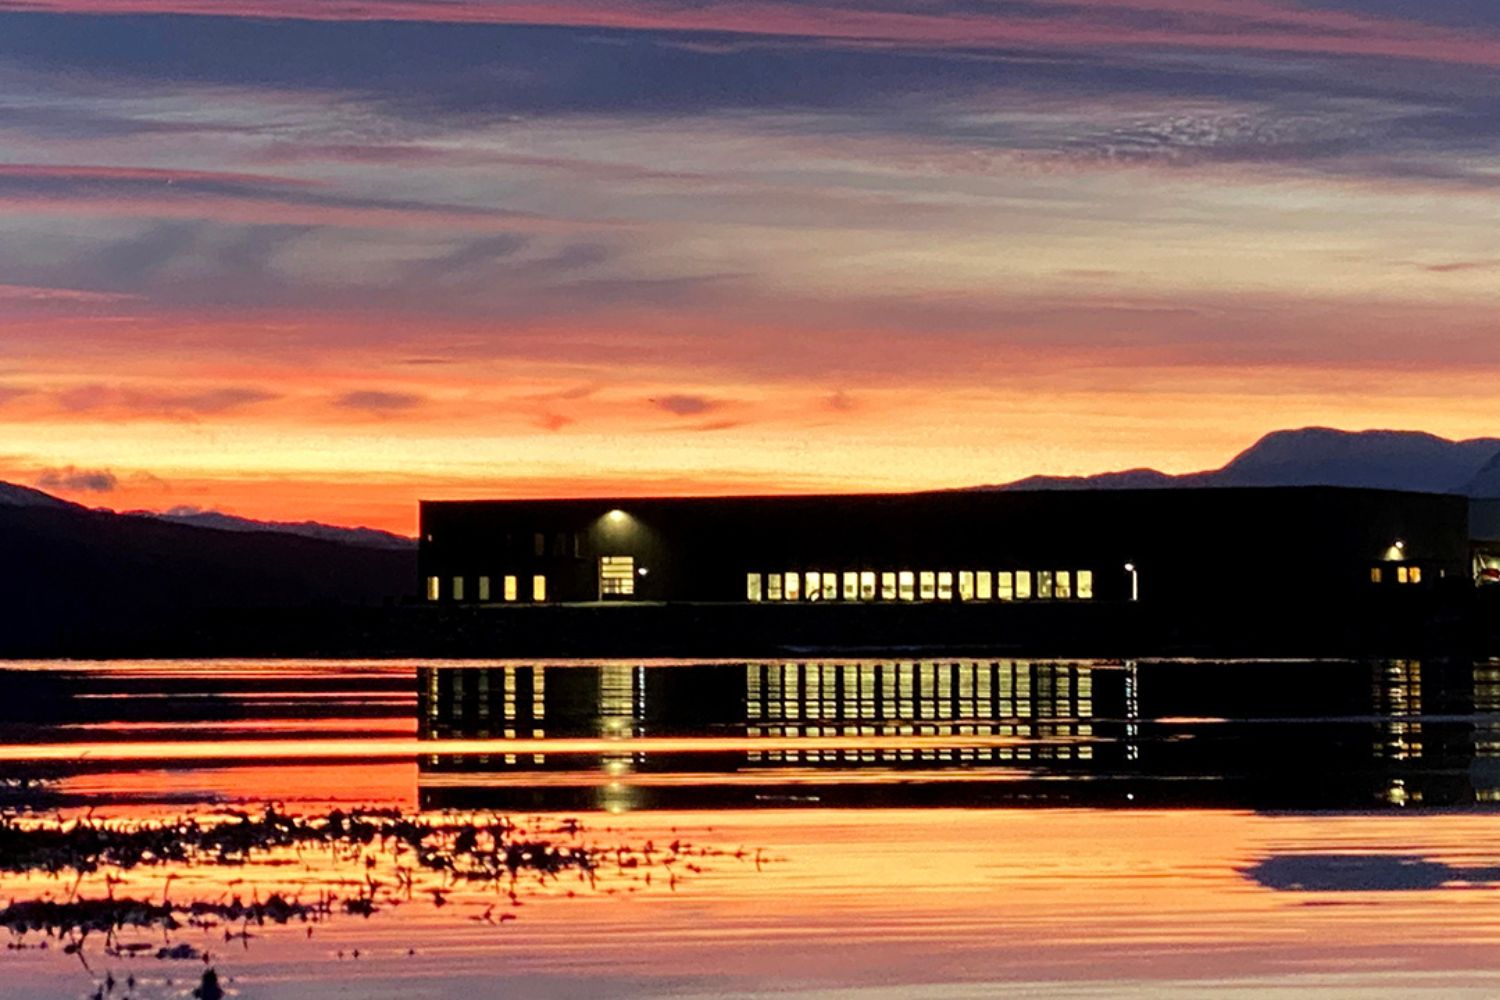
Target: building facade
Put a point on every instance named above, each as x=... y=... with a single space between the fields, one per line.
x=1272 y=545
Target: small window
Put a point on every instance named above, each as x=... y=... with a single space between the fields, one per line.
x=1403 y=575
x=434 y=588
x=773 y=587
x=1005 y=585
x=966 y=585
x=928 y=585
x=539 y=544
x=458 y=588
x=752 y=587
x=1377 y=574
x=1415 y=574
x=793 y=589
x=851 y=585
x=1085 y=585
x=1044 y=589
x=510 y=588
x=907 y=584
x=945 y=586
x=866 y=585
x=887 y=586
x=1023 y=584
x=814 y=588
x=1064 y=585
x=982 y=586
x=830 y=586
x=484 y=588
x=538 y=588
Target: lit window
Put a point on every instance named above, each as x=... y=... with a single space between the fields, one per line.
x=773 y=587
x=814 y=588
x=1415 y=574
x=1377 y=575
x=616 y=576
x=966 y=585
x=538 y=588
x=907 y=585
x=887 y=586
x=793 y=588
x=1023 y=584
x=1402 y=575
x=982 y=585
x=752 y=587
x=484 y=588
x=1005 y=585
x=867 y=586
x=1064 y=585
x=510 y=588
x=434 y=588
x=851 y=585
x=928 y=585
x=945 y=586
x=458 y=588
x=1044 y=585
x=830 y=586
x=1085 y=585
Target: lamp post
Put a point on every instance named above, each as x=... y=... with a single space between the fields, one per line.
x=1135 y=581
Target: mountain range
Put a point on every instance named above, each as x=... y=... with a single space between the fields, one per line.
x=1321 y=456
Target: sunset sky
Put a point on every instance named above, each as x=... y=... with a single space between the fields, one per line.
x=318 y=258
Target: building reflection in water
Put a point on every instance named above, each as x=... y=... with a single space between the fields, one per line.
x=968 y=731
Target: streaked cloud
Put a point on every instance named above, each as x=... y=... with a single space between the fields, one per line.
x=156 y=401
x=685 y=404
x=73 y=480
x=378 y=401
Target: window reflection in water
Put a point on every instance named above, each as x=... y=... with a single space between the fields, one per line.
x=959 y=731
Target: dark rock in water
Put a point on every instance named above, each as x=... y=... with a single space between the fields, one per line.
x=209 y=989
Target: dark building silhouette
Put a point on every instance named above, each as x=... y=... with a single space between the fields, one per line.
x=1180 y=547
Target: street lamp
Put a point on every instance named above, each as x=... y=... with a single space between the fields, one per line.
x=1135 y=581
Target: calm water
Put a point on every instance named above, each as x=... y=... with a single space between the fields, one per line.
x=953 y=828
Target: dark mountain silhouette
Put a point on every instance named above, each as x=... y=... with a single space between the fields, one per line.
x=369 y=537
x=1321 y=456
x=24 y=496
x=73 y=571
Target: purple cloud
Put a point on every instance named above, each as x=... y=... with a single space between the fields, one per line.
x=75 y=480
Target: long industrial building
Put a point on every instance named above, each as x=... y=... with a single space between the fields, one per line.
x=1294 y=546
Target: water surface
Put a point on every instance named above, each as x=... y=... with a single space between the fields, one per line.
x=882 y=827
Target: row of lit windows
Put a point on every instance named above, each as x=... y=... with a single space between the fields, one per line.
x=510 y=588
x=1065 y=750
x=916 y=690
x=924 y=585
x=1404 y=574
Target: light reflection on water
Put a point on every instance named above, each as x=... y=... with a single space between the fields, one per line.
x=945 y=828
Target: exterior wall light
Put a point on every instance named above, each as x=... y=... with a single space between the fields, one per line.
x=1135 y=581
x=642 y=571
x=616 y=516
